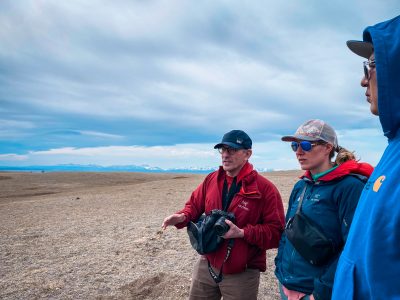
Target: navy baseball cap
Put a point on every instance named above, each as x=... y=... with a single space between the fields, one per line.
x=237 y=139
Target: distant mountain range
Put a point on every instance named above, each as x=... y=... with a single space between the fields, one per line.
x=97 y=168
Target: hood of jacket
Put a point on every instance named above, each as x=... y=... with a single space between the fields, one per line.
x=346 y=168
x=385 y=38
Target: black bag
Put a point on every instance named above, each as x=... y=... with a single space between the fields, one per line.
x=308 y=238
x=203 y=235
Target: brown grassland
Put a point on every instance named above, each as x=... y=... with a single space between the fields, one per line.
x=98 y=236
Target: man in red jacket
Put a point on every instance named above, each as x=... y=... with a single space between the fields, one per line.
x=259 y=221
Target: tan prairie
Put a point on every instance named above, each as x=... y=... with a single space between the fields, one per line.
x=98 y=236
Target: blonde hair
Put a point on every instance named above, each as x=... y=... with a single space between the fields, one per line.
x=343 y=155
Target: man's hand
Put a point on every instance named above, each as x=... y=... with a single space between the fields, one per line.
x=233 y=232
x=172 y=220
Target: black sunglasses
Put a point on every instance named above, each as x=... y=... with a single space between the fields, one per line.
x=368 y=65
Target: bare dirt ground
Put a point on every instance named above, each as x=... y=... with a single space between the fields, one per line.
x=98 y=236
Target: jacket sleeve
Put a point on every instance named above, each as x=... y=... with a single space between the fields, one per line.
x=346 y=200
x=267 y=233
x=195 y=206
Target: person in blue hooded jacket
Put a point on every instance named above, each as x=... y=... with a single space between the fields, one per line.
x=327 y=194
x=369 y=267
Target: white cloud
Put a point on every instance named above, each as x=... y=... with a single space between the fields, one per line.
x=368 y=144
x=159 y=156
x=100 y=134
x=10 y=157
x=17 y=124
x=14 y=129
x=177 y=69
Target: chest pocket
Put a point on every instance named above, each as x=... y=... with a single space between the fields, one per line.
x=322 y=209
x=245 y=210
x=245 y=205
x=315 y=204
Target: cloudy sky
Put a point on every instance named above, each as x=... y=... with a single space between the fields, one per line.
x=159 y=82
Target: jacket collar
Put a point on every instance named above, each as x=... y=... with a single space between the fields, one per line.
x=247 y=176
x=346 y=168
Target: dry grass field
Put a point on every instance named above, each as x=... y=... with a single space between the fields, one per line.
x=98 y=236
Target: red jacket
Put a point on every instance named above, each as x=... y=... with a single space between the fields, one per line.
x=258 y=210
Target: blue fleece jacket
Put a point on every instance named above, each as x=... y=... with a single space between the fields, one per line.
x=330 y=202
x=369 y=267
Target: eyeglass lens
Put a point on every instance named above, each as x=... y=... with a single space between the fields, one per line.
x=366 y=71
x=305 y=145
x=367 y=68
x=227 y=149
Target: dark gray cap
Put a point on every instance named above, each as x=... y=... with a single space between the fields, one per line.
x=361 y=48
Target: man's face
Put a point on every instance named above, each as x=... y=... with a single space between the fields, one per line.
x=233 y=160
x=372 y=86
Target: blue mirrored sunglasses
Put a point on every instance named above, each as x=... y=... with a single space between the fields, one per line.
x=305 y=145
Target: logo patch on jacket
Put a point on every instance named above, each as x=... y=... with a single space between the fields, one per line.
x=316 y=198
x=243 y=205
x=378 y=183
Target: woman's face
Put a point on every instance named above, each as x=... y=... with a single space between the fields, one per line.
x=316 y=160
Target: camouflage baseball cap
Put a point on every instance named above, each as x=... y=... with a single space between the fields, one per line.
x=314 y=130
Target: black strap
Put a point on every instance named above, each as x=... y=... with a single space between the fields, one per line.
x=218 y=278
x=227 y=196
x=301 y=198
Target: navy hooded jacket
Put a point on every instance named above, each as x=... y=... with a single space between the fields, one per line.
x=330 y=202
x=369 y=267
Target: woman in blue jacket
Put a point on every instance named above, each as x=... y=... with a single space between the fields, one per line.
x=328 y=194
x=370 y=265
